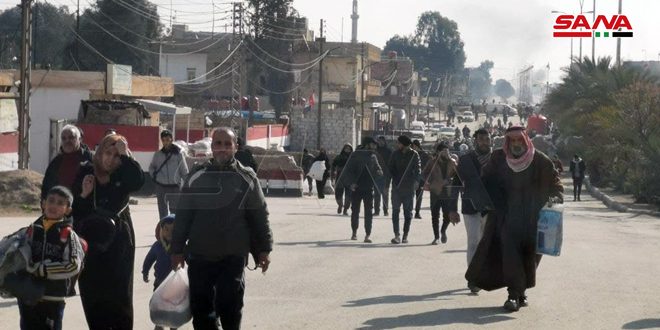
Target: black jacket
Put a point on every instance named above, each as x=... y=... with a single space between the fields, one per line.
x=340 y=161
x=222 y=212
x=475 y=197
x=307 y=161
x=406 y=171
x=57 y=254
x=362 y=169
x=577 y=168
x=51 y=179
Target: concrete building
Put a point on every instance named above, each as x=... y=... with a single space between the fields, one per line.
x=56 y=97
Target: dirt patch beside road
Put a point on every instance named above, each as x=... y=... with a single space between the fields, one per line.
x=20 y=192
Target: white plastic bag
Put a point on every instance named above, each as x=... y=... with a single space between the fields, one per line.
x=317 y=170
x=550 y=230
x=170 y=304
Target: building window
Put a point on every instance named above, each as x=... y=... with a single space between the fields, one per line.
x=191 y=73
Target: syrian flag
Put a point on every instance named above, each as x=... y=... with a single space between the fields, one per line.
x=310 y=103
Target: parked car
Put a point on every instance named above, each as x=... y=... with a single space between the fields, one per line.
x=466 y=116
x=447 y=133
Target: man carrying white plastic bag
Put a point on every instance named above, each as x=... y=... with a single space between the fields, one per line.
x=222 y=217
x=170 y=303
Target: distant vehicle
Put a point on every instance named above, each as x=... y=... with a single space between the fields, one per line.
x=510 y=111
x=417 y=130
x=466 y=116
x=447 y=133
x=435 y=128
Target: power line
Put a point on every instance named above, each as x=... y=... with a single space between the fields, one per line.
x=312 y=62
x=216 y=67
x=279 y=69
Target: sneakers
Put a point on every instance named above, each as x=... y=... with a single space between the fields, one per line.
x=367 y=239
x=385 y=213
x=435 y=242
x=339 y=209
x=443 y=238
x=376 y=213
x=354 y=237
x=512 y=305
x=345 y=211
x=396 y=240
x=522 y=301
x=405 y=239
x=417 y=215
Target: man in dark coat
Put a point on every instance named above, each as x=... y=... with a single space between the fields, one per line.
x=383 y=185
x=244 y=155
x=577 y=170
x=406 y=171
x=62 y=170
x=342 y=193
x=222 y=217
x=520 y=181
x=419 y=194
x=360 y=176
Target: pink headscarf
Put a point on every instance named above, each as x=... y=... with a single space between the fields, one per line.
x=522 y=163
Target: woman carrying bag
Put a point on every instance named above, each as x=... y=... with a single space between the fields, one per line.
x=102 y=217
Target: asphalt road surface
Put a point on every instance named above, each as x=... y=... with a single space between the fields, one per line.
x=606 y=277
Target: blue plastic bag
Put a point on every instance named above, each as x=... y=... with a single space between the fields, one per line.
x=550 y=230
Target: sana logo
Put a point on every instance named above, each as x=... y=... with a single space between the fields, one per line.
x=571 y=26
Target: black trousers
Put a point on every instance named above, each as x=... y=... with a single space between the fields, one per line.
x=216 y=291
x=320 y=185
x=309 y=183
x=383 y=192
x=419 y=195
x=439 y=203
x=577 y=187
x=45 y=315
x=343 y=196
x=357 y=197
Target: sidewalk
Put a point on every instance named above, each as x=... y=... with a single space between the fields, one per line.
x=612 y=199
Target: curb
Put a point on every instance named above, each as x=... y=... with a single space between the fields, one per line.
x=612 y=204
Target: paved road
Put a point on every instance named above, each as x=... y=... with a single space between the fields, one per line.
x=606 y=277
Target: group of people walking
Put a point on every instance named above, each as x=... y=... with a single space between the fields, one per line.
x=221 y=218
x=502 y=193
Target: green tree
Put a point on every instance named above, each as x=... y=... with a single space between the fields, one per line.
x=436 y=45
x=481 y=81
x=503 y=89
x=110 y=26
x=274 y=24
x=51 y=36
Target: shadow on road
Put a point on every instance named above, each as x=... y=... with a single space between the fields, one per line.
x=400 y=299
x=349 y=243
x=10 y=303
x=455 y=251
x=643 y=324
x=474 y=315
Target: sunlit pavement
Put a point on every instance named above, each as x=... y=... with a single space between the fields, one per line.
x=606 y=277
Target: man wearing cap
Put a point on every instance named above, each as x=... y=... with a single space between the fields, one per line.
x=419 y=194
x=168 y=169
x=405 y=168
x=520 y=181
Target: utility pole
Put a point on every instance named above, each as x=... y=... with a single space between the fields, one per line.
x=362 y=73
x=618 y=43
x=77 y=49
x=593 y=37
x=236 y=86
x=321 y=41
x=24 y=89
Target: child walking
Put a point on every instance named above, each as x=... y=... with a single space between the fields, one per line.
x=158 y=254
x=57 y=257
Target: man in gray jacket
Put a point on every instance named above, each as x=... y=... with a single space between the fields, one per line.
x=222 y=218
x=168 y=168
x=405 y=168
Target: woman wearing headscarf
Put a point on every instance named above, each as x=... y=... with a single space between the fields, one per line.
x=102 y=191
